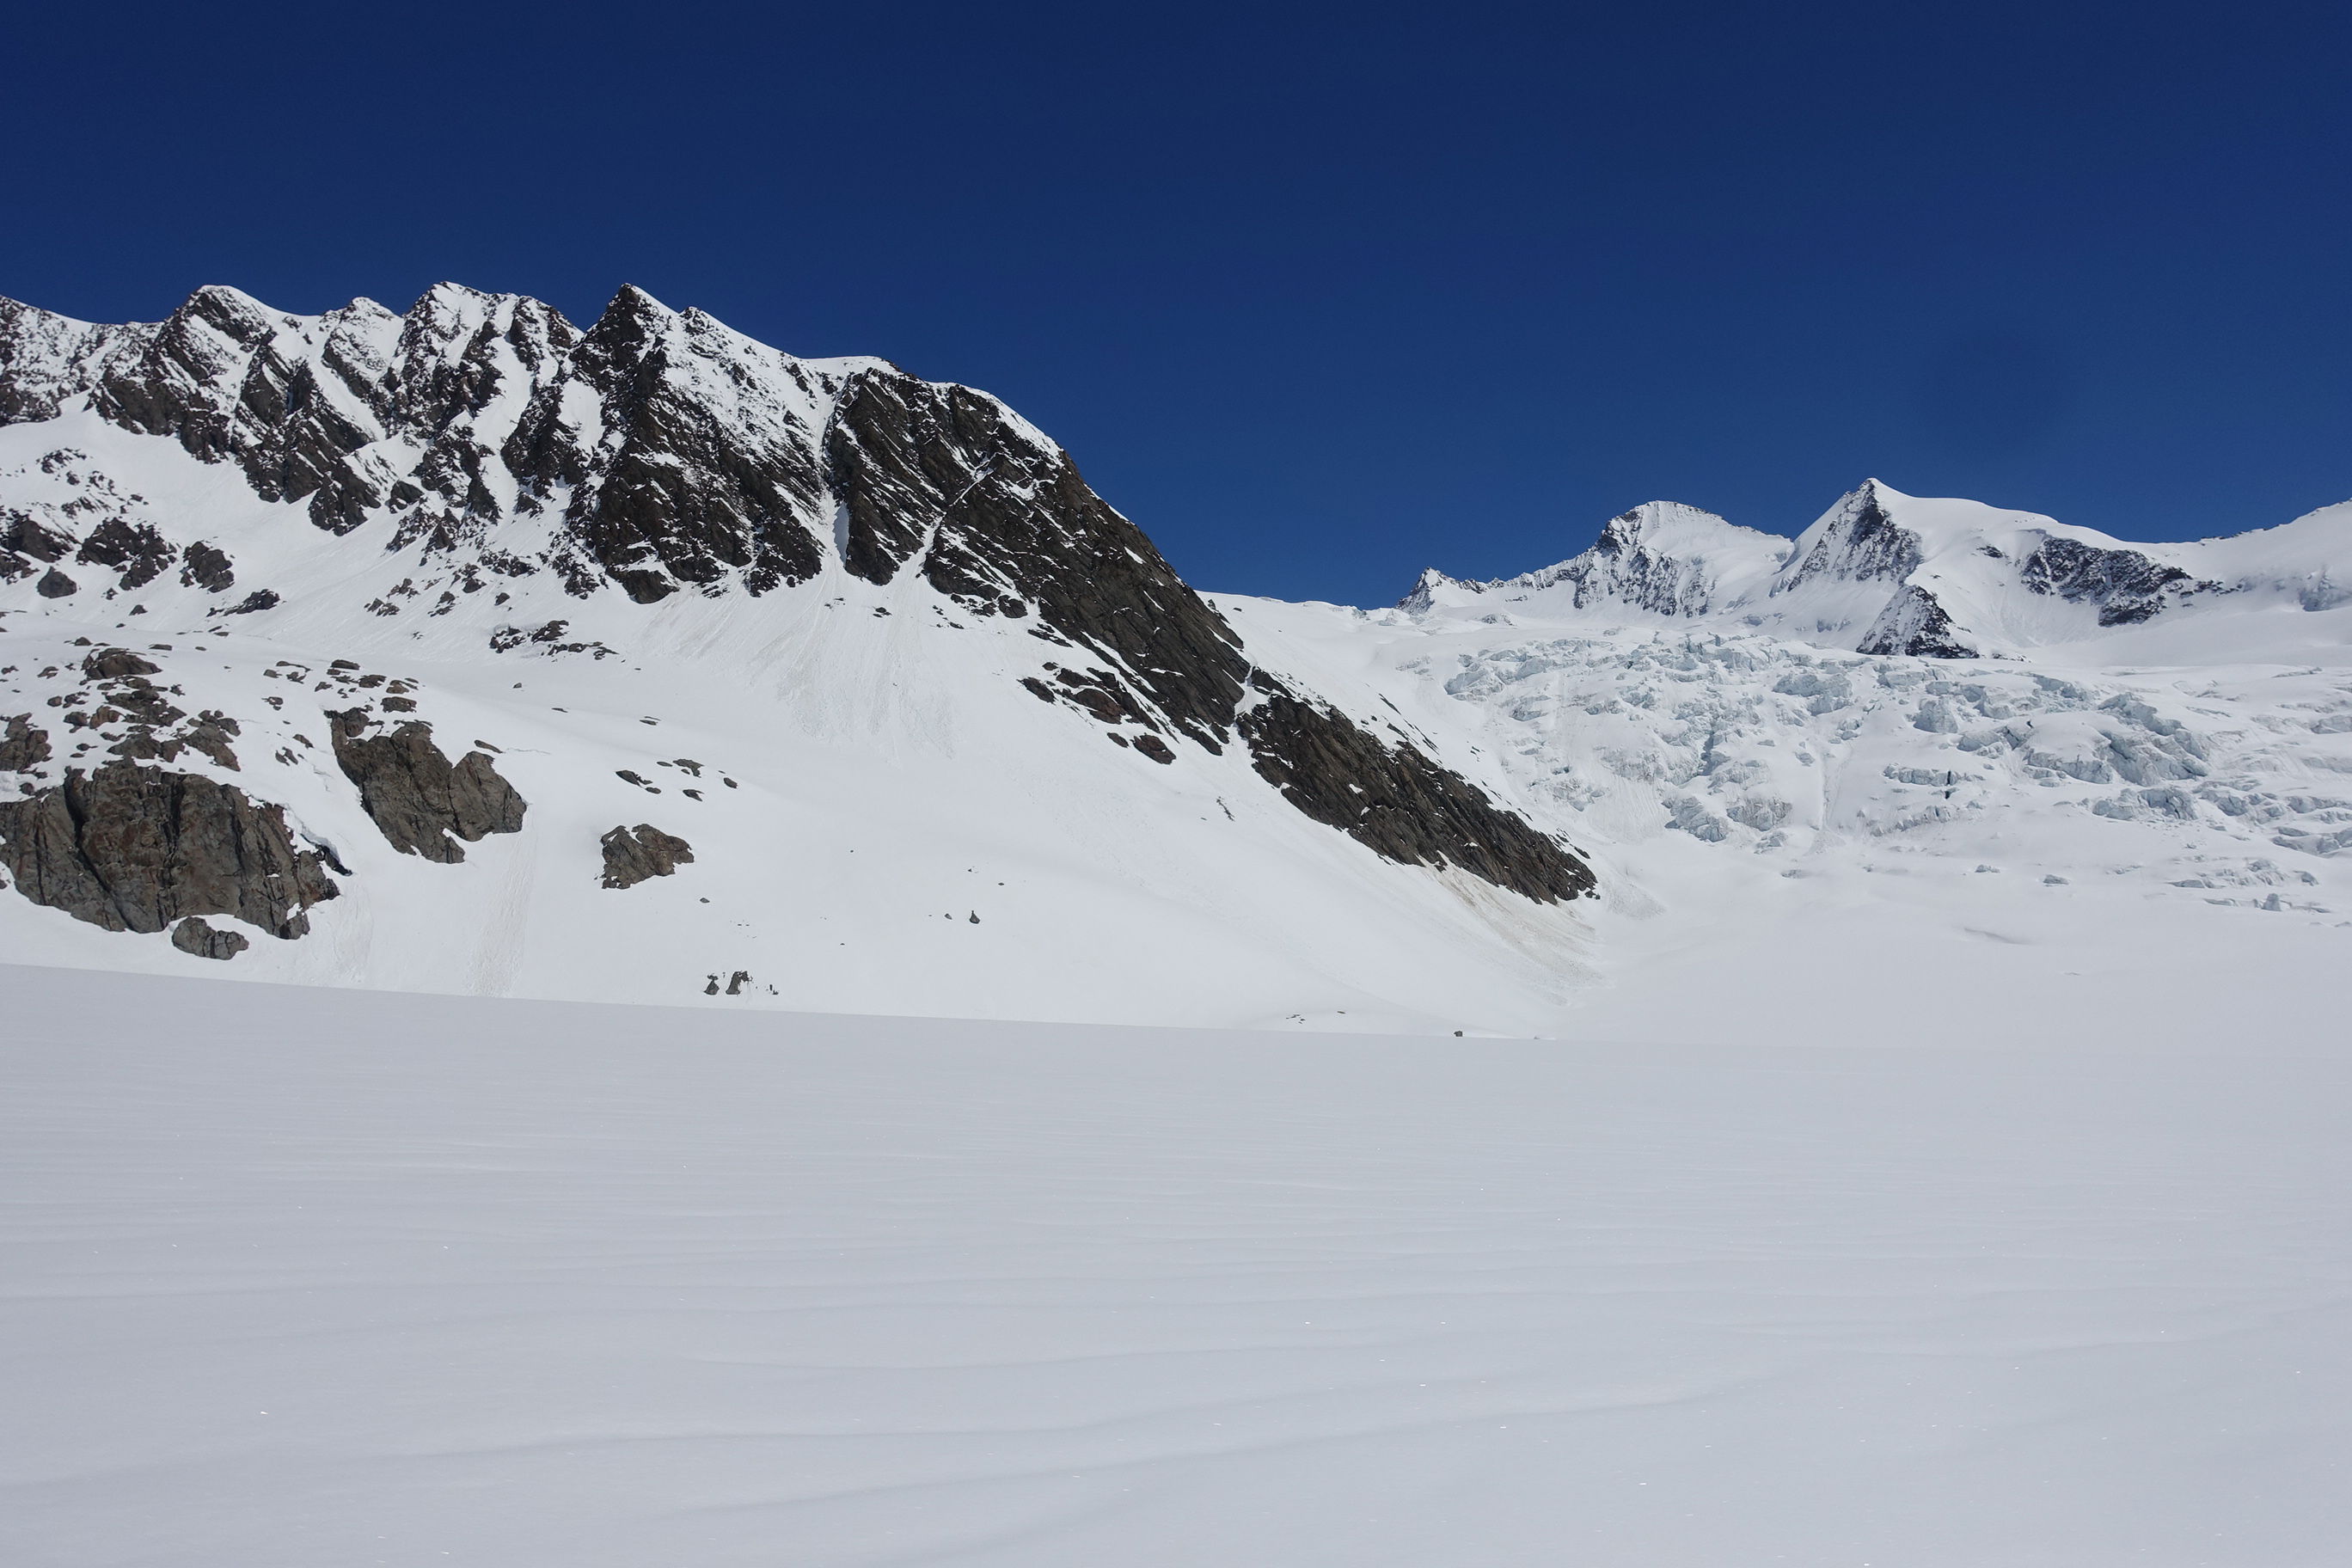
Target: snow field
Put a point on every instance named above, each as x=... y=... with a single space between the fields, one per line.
x=306 y=1277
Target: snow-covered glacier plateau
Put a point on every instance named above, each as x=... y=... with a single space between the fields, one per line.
x=1726 y=1050
x=297 y=1277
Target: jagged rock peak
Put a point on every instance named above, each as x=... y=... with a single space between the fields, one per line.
x=1856 y=539
x=484 y=455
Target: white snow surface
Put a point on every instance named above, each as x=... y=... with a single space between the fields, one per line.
x=297 y=1278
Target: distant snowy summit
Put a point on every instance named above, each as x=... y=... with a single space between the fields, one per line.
x=1885 y=572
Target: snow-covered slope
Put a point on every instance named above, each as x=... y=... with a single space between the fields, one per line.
x=468 y=650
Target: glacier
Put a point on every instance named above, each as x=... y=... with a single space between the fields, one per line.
x=1729 y=1047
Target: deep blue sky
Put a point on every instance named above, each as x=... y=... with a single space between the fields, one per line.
x=1320 y=295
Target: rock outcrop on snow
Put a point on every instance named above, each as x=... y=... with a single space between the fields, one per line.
x=134 y=848
x=411 y=790
x=1396 y=803
x=631 y=855
x=195 y=937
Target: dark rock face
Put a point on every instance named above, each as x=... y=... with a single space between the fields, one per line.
x=1625 y=567
x=685 y=498
x=115 y=663
x=25 y=545
x=2127 y=586
x=22 y=746
x=632 y=855
x=936 y=480
x=1916 y=624
x=134 y=549
x=1862 y=542
x=415 y=796
x=208 y=569
x=1399 y=803
x=56 y=585
x=212 y=377
x=47 y=359
x=195 y=935
x=135 y=849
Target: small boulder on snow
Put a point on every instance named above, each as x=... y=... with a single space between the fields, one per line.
x=196 y=936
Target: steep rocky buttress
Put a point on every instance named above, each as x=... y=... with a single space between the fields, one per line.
x=491 y=453
x=478 y=480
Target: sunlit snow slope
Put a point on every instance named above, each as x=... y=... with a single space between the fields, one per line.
x=290 y=1281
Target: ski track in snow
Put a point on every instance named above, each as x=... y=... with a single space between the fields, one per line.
x=446 y=1281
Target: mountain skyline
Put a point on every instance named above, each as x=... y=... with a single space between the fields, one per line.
x=1327 y=301
x=473 y=650
x=361 y=306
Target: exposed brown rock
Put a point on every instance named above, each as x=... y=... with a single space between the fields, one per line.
x=114 y=663
x=195 y=935
x=22 y=746
x=414 y=794
x=134 y=848
x=632 y=857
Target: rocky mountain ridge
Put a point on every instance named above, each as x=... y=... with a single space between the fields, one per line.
x=333 y=503
x=471 y=650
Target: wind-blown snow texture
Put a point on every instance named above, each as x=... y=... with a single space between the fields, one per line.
x=474 y=600
x=528 y=1285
